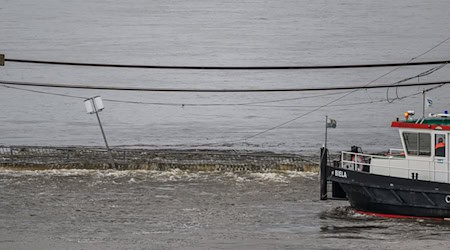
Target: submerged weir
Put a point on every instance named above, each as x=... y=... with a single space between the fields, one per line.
x=34 y=157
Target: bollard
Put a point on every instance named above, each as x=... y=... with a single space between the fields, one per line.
x=323 y=173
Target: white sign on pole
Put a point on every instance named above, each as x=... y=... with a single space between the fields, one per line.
x=89 y=104
x=98 y=103
x=93 y=106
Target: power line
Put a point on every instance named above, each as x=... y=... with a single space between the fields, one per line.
x=425 y=73
x=353 y=88
x=343 y=96
x=253 y=104
x=250 y=104
x=78 y=86
x=44 y=92
x=300 y=67
x=290 y=99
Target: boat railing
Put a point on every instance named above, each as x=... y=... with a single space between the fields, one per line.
x=356 y=161
x=394 y=165
x=396 y=152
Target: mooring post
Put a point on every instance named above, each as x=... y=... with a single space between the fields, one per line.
x=323 y=173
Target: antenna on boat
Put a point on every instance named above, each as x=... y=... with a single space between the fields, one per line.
x=423 y=104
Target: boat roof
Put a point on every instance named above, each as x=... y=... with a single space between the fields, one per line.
x=432 y=123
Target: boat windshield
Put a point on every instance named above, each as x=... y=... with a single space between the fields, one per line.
x=418 y=144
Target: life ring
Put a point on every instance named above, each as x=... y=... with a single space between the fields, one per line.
x=358 y=161
x=447 y=199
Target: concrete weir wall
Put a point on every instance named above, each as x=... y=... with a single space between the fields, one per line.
x=32 y=157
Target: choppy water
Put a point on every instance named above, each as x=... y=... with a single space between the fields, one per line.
x=183 y=210
x=83 y=209
x=222 y=33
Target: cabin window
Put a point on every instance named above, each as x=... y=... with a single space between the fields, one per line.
x=417 y=143
x=439 y=145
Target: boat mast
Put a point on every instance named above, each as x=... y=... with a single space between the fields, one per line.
x=423 y=104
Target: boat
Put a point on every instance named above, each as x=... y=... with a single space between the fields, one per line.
x=413 y=181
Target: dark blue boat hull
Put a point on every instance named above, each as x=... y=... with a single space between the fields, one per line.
x=393 y=195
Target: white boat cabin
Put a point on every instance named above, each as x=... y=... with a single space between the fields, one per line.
x=425 y=153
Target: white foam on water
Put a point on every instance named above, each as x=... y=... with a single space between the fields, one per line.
x=271 y=177
x=172 y=175
x=190 y=209
x=296 y=174
x=163 y=196
x=49 y=172
x=233 y=176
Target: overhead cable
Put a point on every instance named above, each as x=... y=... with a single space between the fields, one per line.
x=44 y=92
x=345 y=95
x=185 y=67
x=78 y=86
x=425 y=73
x=260 y=104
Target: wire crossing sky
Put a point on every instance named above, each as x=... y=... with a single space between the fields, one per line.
x=292 y=67
x=123 y=88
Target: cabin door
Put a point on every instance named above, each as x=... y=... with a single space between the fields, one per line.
x=440 y=157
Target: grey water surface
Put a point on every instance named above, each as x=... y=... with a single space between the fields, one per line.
x=87 y=209
x=218 y=33
x=183 y=210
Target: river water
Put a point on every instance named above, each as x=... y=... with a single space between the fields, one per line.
x=84 y=209
x=217 y=33
x=185 y=210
